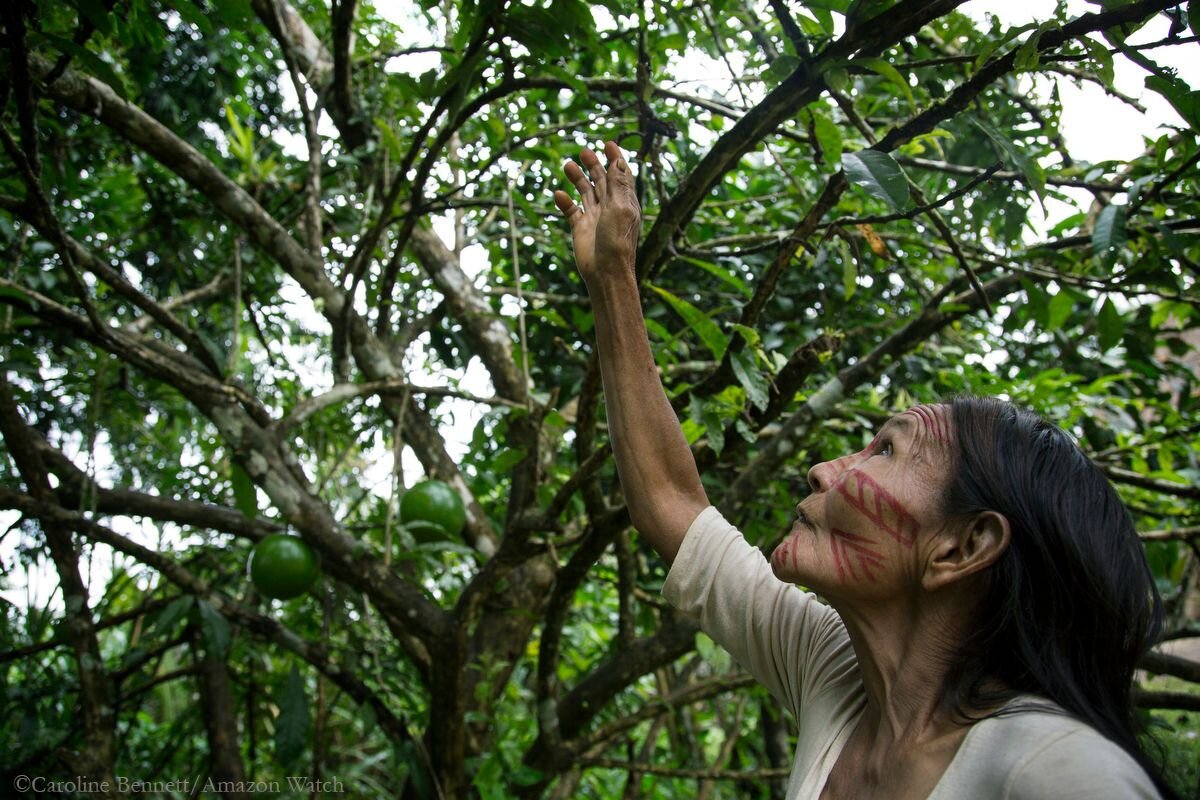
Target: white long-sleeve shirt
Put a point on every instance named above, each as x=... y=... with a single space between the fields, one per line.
x=798 y=648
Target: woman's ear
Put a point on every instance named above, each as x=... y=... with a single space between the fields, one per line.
x=966 y=549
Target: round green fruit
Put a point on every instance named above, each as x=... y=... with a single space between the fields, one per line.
x=282 y=566
x=432 y=510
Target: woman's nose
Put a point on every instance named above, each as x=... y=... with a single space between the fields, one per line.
x=822 y=477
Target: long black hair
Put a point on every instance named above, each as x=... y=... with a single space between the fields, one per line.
x=1071 y=606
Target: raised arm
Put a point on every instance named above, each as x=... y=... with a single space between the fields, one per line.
x=658 y=474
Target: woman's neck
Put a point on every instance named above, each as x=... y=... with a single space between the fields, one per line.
x=905 y=652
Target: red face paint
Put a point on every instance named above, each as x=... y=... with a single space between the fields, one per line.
x=850 y=549
x=932 y=420
x=864 y=494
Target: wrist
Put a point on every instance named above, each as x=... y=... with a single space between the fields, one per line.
x=605 y=287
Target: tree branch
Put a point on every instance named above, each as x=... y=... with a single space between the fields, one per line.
x=824 y=400
x=262 y=625
x=797 y=90
x=1171 y=534
x=97 y=714
x=1118 y=475
x=348 y=391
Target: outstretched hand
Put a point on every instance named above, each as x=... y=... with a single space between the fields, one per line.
x=605 y=229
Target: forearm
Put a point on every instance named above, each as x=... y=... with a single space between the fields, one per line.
x=658 y=473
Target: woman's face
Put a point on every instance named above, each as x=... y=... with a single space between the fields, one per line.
x=861 y=530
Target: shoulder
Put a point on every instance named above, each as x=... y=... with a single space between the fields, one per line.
x=1044 y=752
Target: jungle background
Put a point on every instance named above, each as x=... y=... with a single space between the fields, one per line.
x=265 y=264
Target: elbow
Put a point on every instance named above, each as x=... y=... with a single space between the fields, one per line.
x=663 y=518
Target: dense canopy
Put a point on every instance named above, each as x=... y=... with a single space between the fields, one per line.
x=257 y=255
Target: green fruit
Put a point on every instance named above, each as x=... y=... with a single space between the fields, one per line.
x=282 y=566
x=432 y=510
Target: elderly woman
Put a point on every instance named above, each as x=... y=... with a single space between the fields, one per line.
x=985 y=596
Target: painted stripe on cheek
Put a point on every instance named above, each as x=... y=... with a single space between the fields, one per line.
x=848 y=548
x=874 y=502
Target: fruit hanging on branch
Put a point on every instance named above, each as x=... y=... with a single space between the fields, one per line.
x=432 y=510
x=282 y=566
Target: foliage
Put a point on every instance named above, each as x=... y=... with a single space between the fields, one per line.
x=254 y=250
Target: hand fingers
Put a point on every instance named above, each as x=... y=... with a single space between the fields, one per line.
x=613 y=152
x=617 y=165
x=567 y=206
x=580 y=181
x=592 y=162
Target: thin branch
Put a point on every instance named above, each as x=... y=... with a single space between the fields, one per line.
x=1108 y=88
x=45 y=214
x=1145 y=698
x=147 y=607
x=42 y=218
x=96 y=712
x=944 y=200
x=312 y=204
x=1118 y=475
x=261 y=624
x=348 y=391
x=214 y=288
x=1171 y=534
x=791 y=29
x=1161 y=663
x=1166 y=180
x=516 y=267
x=1005 y=175
x=781 y=103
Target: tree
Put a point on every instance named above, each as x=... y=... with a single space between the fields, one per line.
x=213 y=333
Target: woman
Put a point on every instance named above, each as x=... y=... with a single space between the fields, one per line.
x=987 y=595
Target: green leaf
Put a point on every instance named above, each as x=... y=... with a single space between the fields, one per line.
x=1027 y=53
x=825 y=23
x=241 y=144
x=1182 y=98
x=780 y=68
x=722 y=274
x=1108 y=234
x=890 y=73
x=1016 y=158
x=214 y=628
x=745 y=367
x=840 y=6
x=1061 y=306
x=752 y=337
x=245 y=496
x=829 y=137
x=708 y=331
x=190 y=13
x=1193 y=14
x=1171 y=239
x=713 y=654
x=1101 y=57
x=507 y=459
x=1110 y=325
x=880 y=175
x=849 y=269
x=233 y=12
x=95 y=12
x=390 y=140
x=836 y=78
x=703 y=421
x=291 y=726
x=167 y=618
